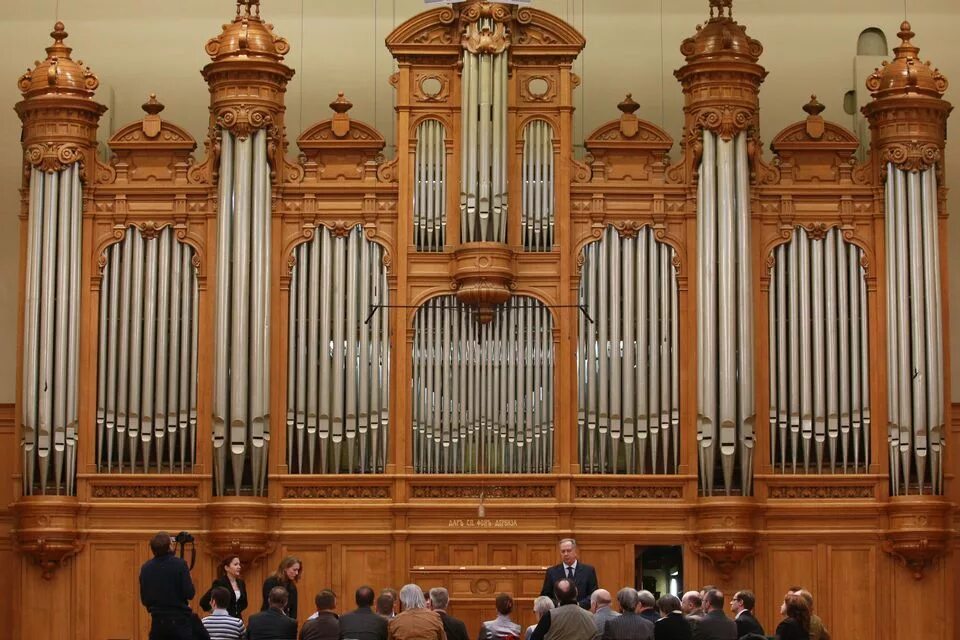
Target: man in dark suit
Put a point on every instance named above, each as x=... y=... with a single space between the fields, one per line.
x=273 y=624
x=673 y=625
x=325 y=623
x=742 y=607
x=628 y=625
x=714 y=625
x=647 y=606
x=363 y=623
x=583 y=575
x=453 y=627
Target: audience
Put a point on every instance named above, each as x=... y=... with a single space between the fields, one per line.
x=571 y=621
x=714 y=625
x=453 y=627
x=220 y=624
x=647 y=606
x=363 y=623
x=415 y=622
x=503 y=627
x=629 y=625
x=287 y=575
x=742 y=608
x=273 y=624
x=540 y=606
x=325 y=623
x=673 y=625
x=600 y=608
x=796 y=623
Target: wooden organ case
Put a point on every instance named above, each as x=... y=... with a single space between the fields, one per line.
x=433 y=367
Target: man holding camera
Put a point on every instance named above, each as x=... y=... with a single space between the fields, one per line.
x=165 y=590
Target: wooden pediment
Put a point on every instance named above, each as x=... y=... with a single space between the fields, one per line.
x=538 y=33
x=815 y=150
x=340 y=148
x=429 y=33
x=629 y=148
x=151 y=149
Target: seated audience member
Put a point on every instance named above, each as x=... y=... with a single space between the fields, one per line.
x=363 y=623
x=415 y=622
x=715 y=625
x=220 y=625
x=325 y=623
x=540 y=606
x=600 y=602
x=287 y=575
x=796 y=622
x=395 y=595
x=453 y=627
x=647 y=606
x=568 y=621
x=385 y=606
x=817 y=629
x=273 y=624
x=742 y=606
x=230 y=580
x=629 y=625
x=503 y=627
x=673 y=625
x=692 y=606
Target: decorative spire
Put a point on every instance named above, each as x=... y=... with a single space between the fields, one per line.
x=628 y=105
x=814 y=108
x=341 y=104
x=248 y=35
x=718 y=7
x=58 y=73
x=152 y=106
x=906 y=73
x=248 y=9
x=721 y=35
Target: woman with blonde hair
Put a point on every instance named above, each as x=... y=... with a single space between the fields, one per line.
x=287 y=575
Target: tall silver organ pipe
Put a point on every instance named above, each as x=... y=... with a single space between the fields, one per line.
x=725 y=424
x=483 y=393
x=915 y=333
x=430 y=187
x=627 y=357
x=339 y=349
x=537 y=219
x=827 y=272
x=51 y=332
x=483 y=180
x=241 y=421
x=161 y=393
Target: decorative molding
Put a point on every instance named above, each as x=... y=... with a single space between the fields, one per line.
x=336 y=492
x=915 y=555
x=52 y=156
x=145 y=491
x=913 y=155
x=49 y=555
x=474 y=491
x=725 y=555
x=822 y=492
x=619 y=492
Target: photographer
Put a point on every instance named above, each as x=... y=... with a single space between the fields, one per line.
x=165 y=590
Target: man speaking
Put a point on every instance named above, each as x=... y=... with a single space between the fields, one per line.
x=165 y=590
x=583 y=575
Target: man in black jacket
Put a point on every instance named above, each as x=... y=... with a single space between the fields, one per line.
x=165 y=590
x=453 y=627
x=363 y=623
x=570 y=568
x=714 y=625
x=742 y=607
x=273 y=624
x=325 y=623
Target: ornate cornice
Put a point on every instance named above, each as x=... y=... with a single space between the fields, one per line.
x=822 y=492
x=336 y=492
x=468 y=491
x=637 y=492
x=145 y=491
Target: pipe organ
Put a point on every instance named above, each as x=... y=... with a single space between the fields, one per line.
x=377 y=364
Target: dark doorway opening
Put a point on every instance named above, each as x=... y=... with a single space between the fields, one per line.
x=659 y=569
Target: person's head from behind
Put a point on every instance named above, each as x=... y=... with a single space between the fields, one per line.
x=668 y=604
x=541 y=605
x=691 y=602
x=230 y=566
x=393 y=593
x=743 y=601
x=326 y=600
x=364 y=596
x=278 y=598
x=627 y=598
x=504 y=603
x=565 y=591
x=795 y=606
x=704 y=589
x=220 y=597
x=161 y=544
x=713 y=600
x=599 y=599
x=568 y=551
x=411 y=597
x=439 y=599
x=645 y=600
x=289 y=570
x=807 y=597
x=385 y=604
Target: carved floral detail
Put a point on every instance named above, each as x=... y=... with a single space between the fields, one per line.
x=440 y=96
x=151 y=229
x=307 y=492
x=822 y=492
x=341 y=228
x=485 y=29
x=148 y=492
x=604 y=492
x=629 y=228
x=52 y=156
x=488 y=491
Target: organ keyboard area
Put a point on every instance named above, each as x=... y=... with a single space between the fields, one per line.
x=484 y=302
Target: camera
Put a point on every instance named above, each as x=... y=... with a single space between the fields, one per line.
x=183 y=537
x=181 y=540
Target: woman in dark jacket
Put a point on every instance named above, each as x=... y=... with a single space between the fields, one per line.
x=230 y=580
x=796 y=624
x=286 y=576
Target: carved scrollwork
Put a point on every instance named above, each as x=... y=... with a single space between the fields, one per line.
x=242 y=120
x=605 y=492
x=52 y=156
x=726 y=122
x=915 y=555
x=146 y=492
x=629 y=228
x=387 y=171
x=823 y=492
x=726 y=555
x=483 y=39
x=461 y=492
x=378 y=492
x=912 y=156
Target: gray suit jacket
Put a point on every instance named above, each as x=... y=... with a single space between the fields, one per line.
x=715 y=626
x=629 y=626
x=601 y=617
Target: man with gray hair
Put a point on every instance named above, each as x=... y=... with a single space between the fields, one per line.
x=416 y=622
x=629 y=625
x=647 y=606
x=600 y=607
x=582 y=575
x=454 y=628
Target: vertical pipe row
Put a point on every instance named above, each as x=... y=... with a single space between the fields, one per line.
x=338 y=353
x=145 y=406
x=538 y=194
x=429 y=192
x=820 y=347
x=627 y=356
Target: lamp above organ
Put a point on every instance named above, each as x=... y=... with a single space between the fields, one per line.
x=58 y=74
x=907 y=74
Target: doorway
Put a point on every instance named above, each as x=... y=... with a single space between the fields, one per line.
x=659 y=569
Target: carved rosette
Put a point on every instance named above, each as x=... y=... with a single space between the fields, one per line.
x=58 y=112
x=46 y=531
x=726 y=534
x=483 y=275
x=919 y=532
x=908 y=116
x=241 y=527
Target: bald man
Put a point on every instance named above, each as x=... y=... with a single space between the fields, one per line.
x=600 y=601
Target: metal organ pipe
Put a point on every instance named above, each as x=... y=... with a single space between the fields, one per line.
x=538 y=194
x=430 y=176
x=627 y=360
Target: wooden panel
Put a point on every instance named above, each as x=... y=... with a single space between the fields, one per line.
x=787 y=567
x=361 y=565
x=501 y=555
x=543 y=555
x=464 y=554
x=852 y=570
x=9 y=584
x=8 y=453
x=424 y=555
x=114 y=569
x=930 y=622
x=610 y=565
